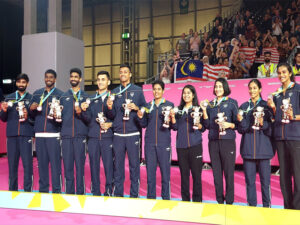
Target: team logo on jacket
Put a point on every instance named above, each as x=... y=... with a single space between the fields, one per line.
x=29 y=141
x=26 y=102
x=81 y=98
x=131 y=94
x=96 y=101
x=67 y=99
x=119 y=96
x=168 y=149
x=225 y=105
x=84 y=141
x=290 y=94
x=111 y=146
x=136 y=143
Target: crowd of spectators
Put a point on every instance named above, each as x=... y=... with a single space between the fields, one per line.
x=275 y=27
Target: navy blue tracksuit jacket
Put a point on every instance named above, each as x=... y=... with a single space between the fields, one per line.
x=74 y=131
x=157 y=149
x=19 y=142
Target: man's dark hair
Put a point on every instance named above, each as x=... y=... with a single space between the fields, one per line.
x=125 y=65
x=22 y=76
x=51 y=72
x=103 y=72
x=76 y=70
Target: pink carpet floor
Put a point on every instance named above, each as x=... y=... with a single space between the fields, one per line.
x=35 y=217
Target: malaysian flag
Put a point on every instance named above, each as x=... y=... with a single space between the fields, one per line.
x=213 y=72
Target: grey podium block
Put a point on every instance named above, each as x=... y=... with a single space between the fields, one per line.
x=52 y=50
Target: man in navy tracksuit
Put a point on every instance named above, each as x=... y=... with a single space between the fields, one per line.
x=47 y=133
x=157 y=142
x=74 y=131
x=100 y=136
x=126 y=132
x=19 y=134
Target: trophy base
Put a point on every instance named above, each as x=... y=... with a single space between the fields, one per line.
x=255 y=128
x=166 y=126
x=285 y=121
x=125 y=118
x=195 y=128
x=50 y=117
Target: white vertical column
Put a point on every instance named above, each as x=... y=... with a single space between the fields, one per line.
x=54 y=15
x=30 y=16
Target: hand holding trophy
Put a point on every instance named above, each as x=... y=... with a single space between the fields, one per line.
x=101 y=119
x=166 y=113
x=258 y=114
x=21 y=108
x=220 y=121
x=286 y=107
x=126 y=109
x=196 y=115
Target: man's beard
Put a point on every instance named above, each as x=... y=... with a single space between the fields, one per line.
x=21 y=89
x=74 y=84
x=49 y=85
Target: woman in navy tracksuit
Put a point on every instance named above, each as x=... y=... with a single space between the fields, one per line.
x=222 y=147
x=157 y=142
x=189 y=144
x=287 y=136
x=256 y=147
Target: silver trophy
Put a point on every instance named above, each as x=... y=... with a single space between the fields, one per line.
x=101 y=119
x=126 y=109
x=166 y=113
x=220 y=121
x=196 y=115
x=58 y=109
x=285 y=107
x=259 y=113
x=52 y=105
x=20 y=108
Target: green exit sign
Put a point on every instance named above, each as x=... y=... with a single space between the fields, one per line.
x=125 y=35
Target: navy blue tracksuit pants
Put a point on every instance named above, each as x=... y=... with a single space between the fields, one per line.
x=162 y=156
x=222 y=155
x=131 y=144
x=264 y=169
x=101 y=148
x=73 y=150
x=289 y=158
x=190 y=161
x=16 y=147
x=48 y=150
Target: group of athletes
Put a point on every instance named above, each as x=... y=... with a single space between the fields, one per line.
x=107 y=125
